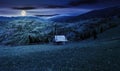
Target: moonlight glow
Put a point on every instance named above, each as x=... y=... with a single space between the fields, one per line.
x=23 y=13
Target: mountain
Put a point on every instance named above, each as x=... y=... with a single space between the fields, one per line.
x=33 y=30
x=5 y=18
x=21 y=30
x=102 y=13
x=19 y=17
x=61 y=18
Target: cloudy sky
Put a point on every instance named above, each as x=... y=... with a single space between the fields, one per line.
x=52 y=7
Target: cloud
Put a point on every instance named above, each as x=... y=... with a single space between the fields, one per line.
x=50 y=7
x=51 y=3
x=36 y=3
x=55 y=6
x=24 y=8
x=47 y=12
x=47 y=15
x=80 y=2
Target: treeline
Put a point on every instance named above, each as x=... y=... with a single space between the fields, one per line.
x=32 y=31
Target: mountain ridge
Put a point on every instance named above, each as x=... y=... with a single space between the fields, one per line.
x=106 y=12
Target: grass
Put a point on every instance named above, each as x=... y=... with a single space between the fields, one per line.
x=98 y=57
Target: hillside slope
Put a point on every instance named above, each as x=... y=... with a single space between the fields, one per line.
x=111 y=34
x=102 y=13
x=87 y=56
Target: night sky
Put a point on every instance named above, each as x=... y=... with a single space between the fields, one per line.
x=52 y=7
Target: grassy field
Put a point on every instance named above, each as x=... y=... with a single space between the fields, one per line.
x=102 y=56
x=88 y=55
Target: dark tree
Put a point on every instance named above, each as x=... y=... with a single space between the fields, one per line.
x=94 y=34
x=101 y=29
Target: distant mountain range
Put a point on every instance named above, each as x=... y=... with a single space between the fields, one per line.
x=32 y=29
x=101 y=13
x=2 y=18
x=106 y=12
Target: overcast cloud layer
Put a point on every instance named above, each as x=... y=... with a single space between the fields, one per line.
x=48 y=7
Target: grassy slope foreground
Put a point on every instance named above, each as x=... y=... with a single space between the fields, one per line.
x=90 y=55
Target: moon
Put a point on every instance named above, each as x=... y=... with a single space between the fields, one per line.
x=23 y=13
